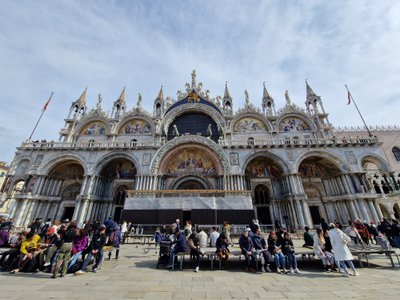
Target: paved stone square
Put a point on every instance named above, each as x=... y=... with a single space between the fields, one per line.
x=135 y=276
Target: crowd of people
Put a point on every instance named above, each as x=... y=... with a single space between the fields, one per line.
x=59 y=247
x=329 y=243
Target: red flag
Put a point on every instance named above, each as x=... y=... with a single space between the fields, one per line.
x=47 y=103
x=349 y=96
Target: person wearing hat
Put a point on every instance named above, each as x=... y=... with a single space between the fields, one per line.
x=95 y=249
x=339 y=241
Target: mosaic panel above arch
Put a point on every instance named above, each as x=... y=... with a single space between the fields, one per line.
x=136 y=126
x=94 y=128
x=263 y=167
x=318 y=167
x=293 y=124
x=248 y=124
x=191 y=160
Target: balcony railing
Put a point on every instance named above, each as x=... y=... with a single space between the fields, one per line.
x=265 y=143
x=271 y=143
x=90 y=145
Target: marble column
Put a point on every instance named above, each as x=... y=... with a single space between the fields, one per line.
x=378 y=210
x=373 y=210
x=300 y=213
x=46 y=211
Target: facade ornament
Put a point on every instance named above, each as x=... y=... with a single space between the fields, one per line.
x=175 y=131
x=218 y=101
x=209 y=131
x=168 y=102
x=139 y=101
x=99 y=101
x=157 y=126
x=288 y=101
x=179 y=95
x=194 y=79
x=246 y=98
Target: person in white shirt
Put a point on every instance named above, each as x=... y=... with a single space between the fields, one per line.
x=214 y=235
x=203 y=239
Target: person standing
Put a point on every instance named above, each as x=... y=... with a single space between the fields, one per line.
x=339 y=241
x=64 y=250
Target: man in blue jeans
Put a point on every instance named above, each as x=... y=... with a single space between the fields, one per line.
x=95 y=249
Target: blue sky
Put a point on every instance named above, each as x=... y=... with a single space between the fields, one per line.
x=64 y=46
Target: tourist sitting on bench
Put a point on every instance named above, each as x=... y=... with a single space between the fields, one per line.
x=308 y=238
x=288 y=250
x=222 y=251
x=320 y=250
x=180 y=245
x=246 y=245
x=261 y=248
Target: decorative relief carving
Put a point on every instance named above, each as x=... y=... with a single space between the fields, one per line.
x=146 y=159
x=351 y=158
x=234 y=158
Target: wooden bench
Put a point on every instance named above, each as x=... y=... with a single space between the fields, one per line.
x=367 y=252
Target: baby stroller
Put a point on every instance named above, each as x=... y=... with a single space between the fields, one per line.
x=165 y=252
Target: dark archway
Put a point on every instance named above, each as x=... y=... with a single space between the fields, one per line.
x=191 y=183
x=194 y=123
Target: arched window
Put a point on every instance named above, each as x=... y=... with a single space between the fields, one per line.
x=261 y=194
x=120 y=196
x=396 y=153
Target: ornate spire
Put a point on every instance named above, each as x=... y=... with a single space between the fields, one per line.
x=121 y=98
x=309 y=91
x=265 y=92
x=268 y=104
x=82 y=99
x=227 y=95
x=160 y=94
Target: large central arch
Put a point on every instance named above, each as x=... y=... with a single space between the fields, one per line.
x=218 y=156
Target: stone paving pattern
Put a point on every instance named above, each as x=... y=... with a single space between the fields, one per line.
x=135 y=276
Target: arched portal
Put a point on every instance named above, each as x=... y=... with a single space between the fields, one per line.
x=265 y=178
x=262 y=201
x=64 y=180
x=321 y=179
x=194 y=164
x=191 y=183
x=119 y=198
x=115 y=178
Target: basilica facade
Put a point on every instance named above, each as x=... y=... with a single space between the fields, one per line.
x=196 y=158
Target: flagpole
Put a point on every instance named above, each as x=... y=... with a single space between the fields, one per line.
x=43 y=110
x=355 y=104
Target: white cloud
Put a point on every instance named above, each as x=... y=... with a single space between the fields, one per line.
x=64 y=46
